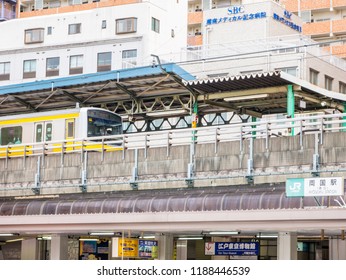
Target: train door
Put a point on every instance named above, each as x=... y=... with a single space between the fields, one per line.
x=69 y=133
x=43 y=132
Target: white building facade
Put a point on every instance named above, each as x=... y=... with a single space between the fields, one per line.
x=90 y=41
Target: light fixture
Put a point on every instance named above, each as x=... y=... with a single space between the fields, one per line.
x=246 y=97
x=323 y=103
x=44 y=238
x=224 y=232
x=165 y=113
x=14 y=240
x=8 y=234
x=100 y=233
x=88 y=239
x=267 y=235
x=191 y=238
x=148 y=236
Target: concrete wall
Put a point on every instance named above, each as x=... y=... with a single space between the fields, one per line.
x=214 y=165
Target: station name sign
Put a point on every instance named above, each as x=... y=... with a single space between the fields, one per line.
x=329 y=186
x=234 y=14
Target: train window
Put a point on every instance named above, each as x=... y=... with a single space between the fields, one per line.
x=49 y=130
x=39 y=133
x=69 y=129
x=102 y=123
x=11 y=135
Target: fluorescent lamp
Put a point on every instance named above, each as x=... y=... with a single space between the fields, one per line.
x=148 y=237
x=190 y=238
x=88 y=239
x=165 y=113
x=8 y=234
x=246 y=97
x=224 y=232
x=101 y=233
x=14 y=240
x=267 y=235
x=44 y=238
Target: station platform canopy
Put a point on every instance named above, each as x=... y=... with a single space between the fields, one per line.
x=167 y=90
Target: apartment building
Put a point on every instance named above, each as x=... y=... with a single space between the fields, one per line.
x=7 y=9
x=90 y=41
x=260 y=36
x=324 y=21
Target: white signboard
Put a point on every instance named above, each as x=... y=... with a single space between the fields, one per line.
x=209 y=248
x=328 y=186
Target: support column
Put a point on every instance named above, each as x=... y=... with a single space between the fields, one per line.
x=59 y=247
x=29 y=249
x=344 y=118
x=290 y=104
x=337 y=249
x=254 y=119
x=287 y=246
x=165 y=246
x=181 y=249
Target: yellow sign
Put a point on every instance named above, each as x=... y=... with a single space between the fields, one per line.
x=124 y=247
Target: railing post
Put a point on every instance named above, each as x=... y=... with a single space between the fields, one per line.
x=83 y=185
x=37 y=185
x=133 y=181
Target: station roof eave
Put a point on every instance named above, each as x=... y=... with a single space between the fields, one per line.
x=258 y=94
x=96 y=89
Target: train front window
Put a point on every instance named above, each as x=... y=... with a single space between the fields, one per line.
x=101 y=123
x=11 y=135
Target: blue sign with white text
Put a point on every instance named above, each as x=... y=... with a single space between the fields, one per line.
x=237 y=248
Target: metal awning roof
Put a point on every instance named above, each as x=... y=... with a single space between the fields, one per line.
x=116 y=90
x=263 y=93
x=140 y=92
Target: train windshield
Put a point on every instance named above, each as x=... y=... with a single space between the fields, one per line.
x=102 y=123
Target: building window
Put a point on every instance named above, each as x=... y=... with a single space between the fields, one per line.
x=52 y=66
x=104 y=24
x=74 y=28
x=104 y=61
x=289 y=70
x=29 y=69
x=342 y=87
x=129 y=58
x=76 y=64
x=155 y=25
x=49 y=30
x=126 y=25
x=313 y=76
x=328 y=82
x=4 y=71
x=34 y=36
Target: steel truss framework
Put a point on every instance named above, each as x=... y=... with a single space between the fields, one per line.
x=158 y=97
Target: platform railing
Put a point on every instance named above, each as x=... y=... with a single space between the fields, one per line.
x=300 y=126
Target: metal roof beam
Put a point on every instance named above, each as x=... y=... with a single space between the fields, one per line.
x=132 y=94
x=72 y=97
x=232 y=108
x=236 y=93
x=24 y=103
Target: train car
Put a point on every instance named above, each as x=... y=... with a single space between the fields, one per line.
x=26 y=131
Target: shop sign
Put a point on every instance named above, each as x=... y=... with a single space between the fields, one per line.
x=148 y=249
x=232 y=248
x=300 y=187
x=124 y=247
